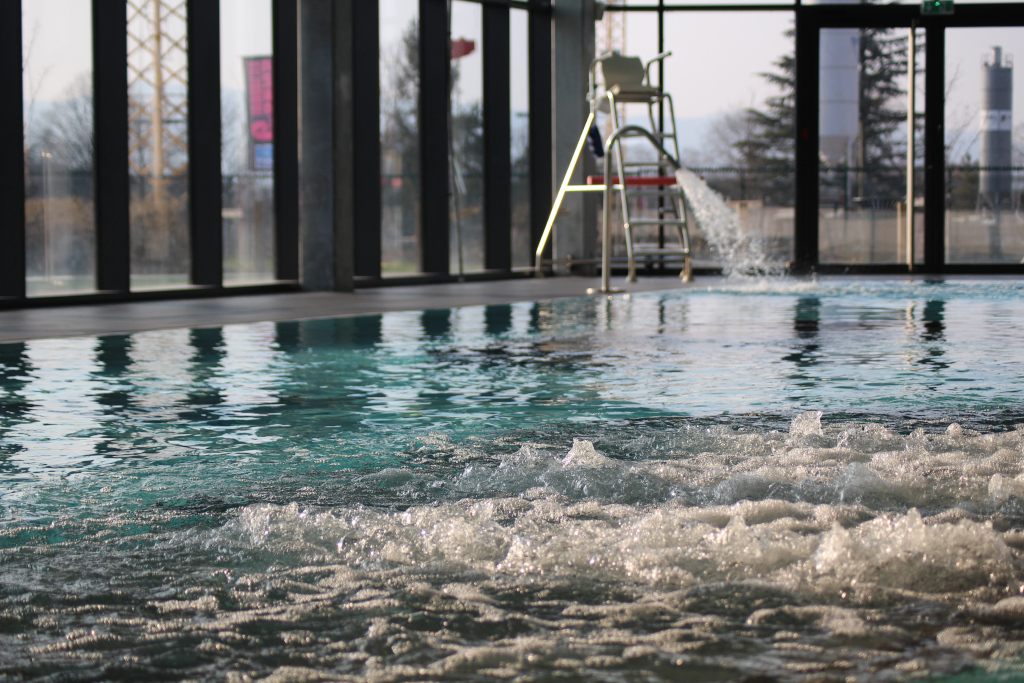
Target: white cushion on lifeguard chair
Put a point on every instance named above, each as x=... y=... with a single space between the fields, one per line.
x=624 y=78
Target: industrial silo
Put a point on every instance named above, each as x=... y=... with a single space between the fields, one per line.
x=995 y=178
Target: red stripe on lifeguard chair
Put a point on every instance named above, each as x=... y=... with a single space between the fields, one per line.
x=635 y=181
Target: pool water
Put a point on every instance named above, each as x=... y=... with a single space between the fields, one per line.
x=758 y=480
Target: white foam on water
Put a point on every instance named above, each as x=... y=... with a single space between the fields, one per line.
x=664 y=565
x=824 y=551
x=816 y=509
x=806 y=549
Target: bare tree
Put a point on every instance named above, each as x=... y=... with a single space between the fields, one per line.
x=961 y=129
x=233 y=133
x=723 y=150
x=66 y=129
x=34 y=84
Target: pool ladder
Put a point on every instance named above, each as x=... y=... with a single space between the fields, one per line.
x=627 y=81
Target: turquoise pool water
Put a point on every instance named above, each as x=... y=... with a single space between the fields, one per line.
x=798 y=480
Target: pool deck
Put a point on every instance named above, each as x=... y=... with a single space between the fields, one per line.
x=99 y=319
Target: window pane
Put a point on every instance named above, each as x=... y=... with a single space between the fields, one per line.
x=158 y=143
x=917 y=2
x=739 y=138
x=247 y=144
x=60 y=241
x=399 y=137
x=467 y=139
x=985 y=164
x=522 y=254
x=636 y=35
x=863 y=145
x=720 y=2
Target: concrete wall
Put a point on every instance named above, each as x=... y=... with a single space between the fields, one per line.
x=325 y=144
x=316 y=177
x=572 y=51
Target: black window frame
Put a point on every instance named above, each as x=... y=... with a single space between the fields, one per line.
x=809 y=19
x=111 y=130
x=110 y=103
x=113 y=248
x=434 y=171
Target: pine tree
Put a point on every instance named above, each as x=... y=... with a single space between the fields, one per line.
x=769 y=150
x=883 y=60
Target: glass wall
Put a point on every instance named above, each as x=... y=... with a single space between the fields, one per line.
x=466 y=185
x=958 y=2
x=863 y=145
x=985 y=146
x=399 y=137
x=723 y=3
x=519 y=85
x=734 y=121
x=148 y=240
x=247 y=141
x=60 y=240
x=158 y=143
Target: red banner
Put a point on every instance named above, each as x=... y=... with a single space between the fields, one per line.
x=259 y=82
x=462 y=47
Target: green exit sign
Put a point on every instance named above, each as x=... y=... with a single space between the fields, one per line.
x=936 y=6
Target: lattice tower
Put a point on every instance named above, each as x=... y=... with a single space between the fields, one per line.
x=612 y=36
x=158 y=90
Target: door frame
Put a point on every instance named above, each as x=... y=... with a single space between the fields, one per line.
x=810 y=19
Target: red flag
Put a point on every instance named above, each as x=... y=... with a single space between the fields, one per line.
x=462 y=47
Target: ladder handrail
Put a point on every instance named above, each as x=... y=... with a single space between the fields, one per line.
x=657 y=58
x=633 y=128
x=606 y=265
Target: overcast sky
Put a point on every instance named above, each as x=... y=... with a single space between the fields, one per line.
x=717 y=56
x=58 y=44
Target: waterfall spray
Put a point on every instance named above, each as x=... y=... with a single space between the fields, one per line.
x=741 y=254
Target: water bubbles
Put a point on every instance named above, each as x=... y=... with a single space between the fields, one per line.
x=839 y=548
x=806 y=424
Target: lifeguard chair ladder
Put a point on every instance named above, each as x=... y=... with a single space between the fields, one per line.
x=627 y=81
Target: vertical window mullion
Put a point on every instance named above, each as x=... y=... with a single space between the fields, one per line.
x=934 y=149
x=433 y=105
x=286 y=139
x=110 y=98
x=497 y=140
x=12 y=164
x=805 y=229
x=541 y=174
x=366 y=147
x=204 y=123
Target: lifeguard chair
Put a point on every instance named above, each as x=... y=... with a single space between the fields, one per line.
x=627 y=81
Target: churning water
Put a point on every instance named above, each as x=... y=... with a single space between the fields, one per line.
x=787 y=480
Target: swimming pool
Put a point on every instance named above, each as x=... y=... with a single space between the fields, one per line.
x=799 y=480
